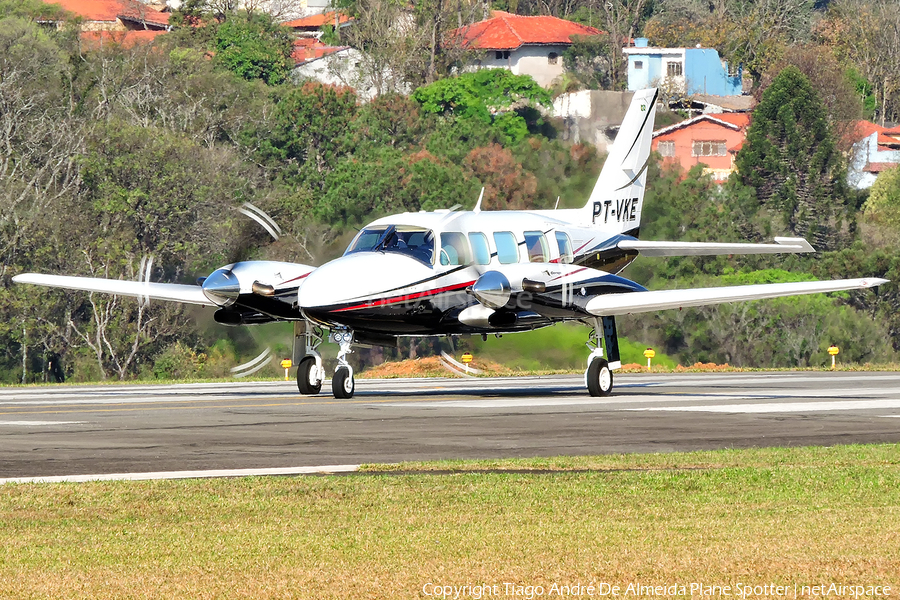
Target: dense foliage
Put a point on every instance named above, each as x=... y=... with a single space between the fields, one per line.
x=127 y=162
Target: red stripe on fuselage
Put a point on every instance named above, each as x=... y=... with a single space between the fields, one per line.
x=407 y=297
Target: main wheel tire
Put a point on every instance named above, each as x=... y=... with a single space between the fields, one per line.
x=307 y=377
x=599 y=378
x=342 y=383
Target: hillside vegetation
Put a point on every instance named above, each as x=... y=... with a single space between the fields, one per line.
x=119 y=159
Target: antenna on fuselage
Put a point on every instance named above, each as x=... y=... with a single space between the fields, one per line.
x=477 y=208
x=557 y=203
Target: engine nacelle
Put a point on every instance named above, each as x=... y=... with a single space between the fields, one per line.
x=492 y=289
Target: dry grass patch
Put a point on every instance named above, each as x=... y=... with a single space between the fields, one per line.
x=782 y=516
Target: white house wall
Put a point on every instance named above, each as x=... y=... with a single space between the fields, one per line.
x=865 y=152
x=527 y=60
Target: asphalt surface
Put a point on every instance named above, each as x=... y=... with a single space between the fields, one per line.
x=68 y=430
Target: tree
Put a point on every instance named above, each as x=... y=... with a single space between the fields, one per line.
x=883 y=206
x=588 y=60
x=831 y=83
x=791 y=160
x=621 y=19
x=866 y=34
x=309 y=131
x=254 y=46
x=492 y=97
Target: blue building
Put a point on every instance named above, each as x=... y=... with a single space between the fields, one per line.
x=692 y=71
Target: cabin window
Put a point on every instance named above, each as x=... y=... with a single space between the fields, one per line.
x=455 y=249
x=566 y=256
x=552 y=58
x=401 y=239
x=536 y=244
x=714 y=148
x=480 y=248
x=666 y=149
x=674 y=69
x=507 y=249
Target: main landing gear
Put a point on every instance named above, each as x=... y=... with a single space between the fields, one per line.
x=311 y=372
x=598 y=378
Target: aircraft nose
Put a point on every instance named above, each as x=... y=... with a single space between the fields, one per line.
x=222 y=287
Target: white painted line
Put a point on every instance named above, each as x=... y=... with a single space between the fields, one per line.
x=325 y=469
x=39 y=423
x=782 y=407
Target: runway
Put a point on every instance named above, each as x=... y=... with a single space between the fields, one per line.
x=76 y=430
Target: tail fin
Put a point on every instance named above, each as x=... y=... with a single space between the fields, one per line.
x=615 y=204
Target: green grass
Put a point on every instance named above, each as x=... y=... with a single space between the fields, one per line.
x=785 y=516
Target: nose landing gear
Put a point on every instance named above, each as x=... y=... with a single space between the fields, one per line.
x=342 y=383
x=311 y=372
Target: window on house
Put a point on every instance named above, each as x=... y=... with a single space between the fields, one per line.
x=498 y=55
x=673 y=69
x=666 y=148
x=638 y=64
x=716 y=148
x=552 y=58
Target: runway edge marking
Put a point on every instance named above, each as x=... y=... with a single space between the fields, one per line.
x=320 y=470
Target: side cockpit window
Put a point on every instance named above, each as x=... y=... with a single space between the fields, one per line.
x=455 y=249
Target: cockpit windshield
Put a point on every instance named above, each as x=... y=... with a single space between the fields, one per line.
x=412 y=241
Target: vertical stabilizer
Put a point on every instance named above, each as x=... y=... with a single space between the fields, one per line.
x=615 y=204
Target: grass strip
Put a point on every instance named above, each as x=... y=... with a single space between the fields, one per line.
x=803 y=516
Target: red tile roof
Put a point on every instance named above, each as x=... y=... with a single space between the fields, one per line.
x=879 y=167
x=317 y=21
x=887 y=138
x=735 y=121
x=505 y=31
x=110 y=10
x=307 y=49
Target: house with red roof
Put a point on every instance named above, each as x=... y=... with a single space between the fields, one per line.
x=524 y=45
x=710 y=139
x=116 y=15
x=877 y=149
x=311 y=25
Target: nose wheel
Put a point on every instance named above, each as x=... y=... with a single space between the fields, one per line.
x=342 y=383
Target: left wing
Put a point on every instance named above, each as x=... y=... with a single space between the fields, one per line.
x=173 y=292
x=609 y=305
x=782 y=244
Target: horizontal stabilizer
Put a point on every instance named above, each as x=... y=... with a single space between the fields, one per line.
x=639 y=302
x=174 y=292
x=782 y=244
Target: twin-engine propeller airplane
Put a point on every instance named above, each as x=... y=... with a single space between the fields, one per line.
x=472 y=272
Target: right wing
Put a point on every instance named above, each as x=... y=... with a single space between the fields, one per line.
x=627 y=303
x=174 y=292
x=782 y=244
